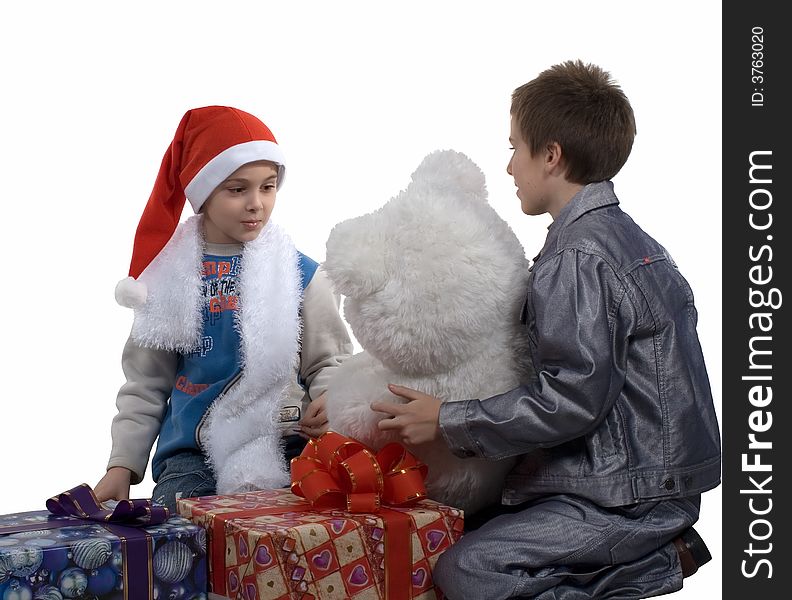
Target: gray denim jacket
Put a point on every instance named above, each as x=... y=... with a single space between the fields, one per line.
x=620 y=410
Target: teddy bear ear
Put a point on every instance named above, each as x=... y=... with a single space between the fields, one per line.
x=354 y=261
x=453 y=171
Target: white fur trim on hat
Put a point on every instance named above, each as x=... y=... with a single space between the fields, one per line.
x=131 y=293
x=221 y=166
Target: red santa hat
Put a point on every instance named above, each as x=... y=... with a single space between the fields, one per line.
x=210 y=143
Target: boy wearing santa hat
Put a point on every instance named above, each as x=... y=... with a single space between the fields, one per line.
x=228 y=314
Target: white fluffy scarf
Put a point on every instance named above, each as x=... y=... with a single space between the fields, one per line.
x=240 y=433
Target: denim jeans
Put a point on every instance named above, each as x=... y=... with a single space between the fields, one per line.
x=566 y=547
x=184 y=475
x=188 y=474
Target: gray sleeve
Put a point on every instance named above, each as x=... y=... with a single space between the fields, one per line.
x=141 y=405
x=325 y=340
x=580 y=361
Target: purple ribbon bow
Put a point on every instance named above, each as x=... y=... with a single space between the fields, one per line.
x=81 y=502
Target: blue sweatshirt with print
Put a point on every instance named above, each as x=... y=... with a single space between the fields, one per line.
x=203 y=373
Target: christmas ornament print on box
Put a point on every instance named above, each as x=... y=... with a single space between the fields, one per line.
x=86 y=561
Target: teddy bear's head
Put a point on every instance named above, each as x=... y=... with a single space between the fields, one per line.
x=426 y=276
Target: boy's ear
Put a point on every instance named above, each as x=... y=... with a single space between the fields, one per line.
x=354 y=261
x=554 y=156
x=554 y=159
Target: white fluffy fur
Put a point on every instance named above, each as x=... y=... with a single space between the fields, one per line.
x=171 y=317
x=434 y=281
x=240 y=432
x=242 y=435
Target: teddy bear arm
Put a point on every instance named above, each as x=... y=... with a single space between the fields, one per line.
x=359 y=381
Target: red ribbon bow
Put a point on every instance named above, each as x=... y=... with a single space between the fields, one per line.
x=335 y=471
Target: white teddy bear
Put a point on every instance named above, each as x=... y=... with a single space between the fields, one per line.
x=434 y=282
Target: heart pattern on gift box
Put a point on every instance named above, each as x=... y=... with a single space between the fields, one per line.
x=358 y=576
x=233 y=582
x=323 y=559
x=250 y=591
x=263 y=556
x=419 y=577
x=311 y=569
x=434 y=538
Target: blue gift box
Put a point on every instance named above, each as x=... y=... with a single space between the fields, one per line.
x=48 y=557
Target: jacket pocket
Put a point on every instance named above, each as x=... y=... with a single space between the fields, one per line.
x=605 y=453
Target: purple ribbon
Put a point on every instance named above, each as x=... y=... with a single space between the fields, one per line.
x=125 y=520
x=81 y=502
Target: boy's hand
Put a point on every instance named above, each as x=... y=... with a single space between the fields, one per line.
x=417 y=421
x=114 y=485
x=314 y=423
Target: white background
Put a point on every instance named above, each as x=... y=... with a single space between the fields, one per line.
x=356 y=93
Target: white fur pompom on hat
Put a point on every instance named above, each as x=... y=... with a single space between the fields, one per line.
x=450 y=171
x=131 y=293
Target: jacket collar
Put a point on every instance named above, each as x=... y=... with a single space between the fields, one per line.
x=590 y=197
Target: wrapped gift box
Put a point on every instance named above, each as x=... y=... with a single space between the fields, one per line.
x=273 y=545
x=47 y=557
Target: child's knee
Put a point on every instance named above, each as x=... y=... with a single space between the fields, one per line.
x=167 y=500
x=449 y=573
x=174 y=486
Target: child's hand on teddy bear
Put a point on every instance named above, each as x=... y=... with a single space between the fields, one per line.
x=314 y=423
x=416 y=421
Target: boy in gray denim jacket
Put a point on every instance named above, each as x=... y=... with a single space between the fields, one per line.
x=618 y=428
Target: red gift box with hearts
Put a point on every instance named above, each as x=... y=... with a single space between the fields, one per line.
x=273 y=545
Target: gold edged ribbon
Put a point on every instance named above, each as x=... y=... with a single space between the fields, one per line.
x=335 y=471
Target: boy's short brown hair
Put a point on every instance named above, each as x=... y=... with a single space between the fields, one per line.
x=581 y=108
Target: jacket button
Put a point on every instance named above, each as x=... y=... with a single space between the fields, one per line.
x=669 y=484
